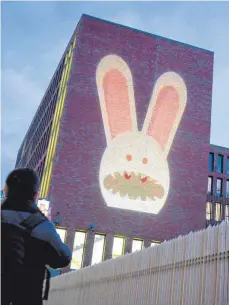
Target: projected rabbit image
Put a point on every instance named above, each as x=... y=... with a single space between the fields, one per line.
x=134 y=172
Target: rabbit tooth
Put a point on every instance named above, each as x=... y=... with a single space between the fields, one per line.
x=112 y=175
x=122 y=193
x=143 y=197
x=115 y=190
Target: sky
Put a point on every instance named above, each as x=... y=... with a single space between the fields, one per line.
x=35 y=34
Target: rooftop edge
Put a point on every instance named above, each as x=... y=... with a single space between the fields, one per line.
x=143 y=32
x=218 y=146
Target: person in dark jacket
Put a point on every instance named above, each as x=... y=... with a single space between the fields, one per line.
x=29 y=242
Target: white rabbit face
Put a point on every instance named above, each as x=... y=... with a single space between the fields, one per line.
x=134 y=174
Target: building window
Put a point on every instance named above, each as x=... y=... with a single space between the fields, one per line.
x=62 y=233
x=227 y=188
x=98 y=249
x=137 y=245
x=210 y=185
x=218 y=215
x=211 y=162
x=227 y=212
x=219 y=187
x=78 y=250
x=220 y=164
x=118 y=247
x=155 y=243
x=227 y=166
x=209 y=211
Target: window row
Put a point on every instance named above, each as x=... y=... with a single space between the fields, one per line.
x=217 y=211
x=99 y=246
x=40 y=169
x=40 y=148
x=220 y=163
x=39 y=133
x=219 y=187
x=47 y=97
x=47 y=116
x=44 y=112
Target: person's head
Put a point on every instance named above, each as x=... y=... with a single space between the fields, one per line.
x=22 y=183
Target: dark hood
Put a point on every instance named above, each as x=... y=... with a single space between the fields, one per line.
x=16 y=204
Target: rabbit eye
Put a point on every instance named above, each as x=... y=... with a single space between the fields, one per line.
x=128 y=157
x=145 y=160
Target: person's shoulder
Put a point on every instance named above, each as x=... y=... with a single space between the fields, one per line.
x=13 y=217
x=44 y=231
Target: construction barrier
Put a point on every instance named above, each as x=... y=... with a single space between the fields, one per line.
x=188 y=270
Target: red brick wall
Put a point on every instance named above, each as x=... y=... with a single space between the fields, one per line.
x=75 y=191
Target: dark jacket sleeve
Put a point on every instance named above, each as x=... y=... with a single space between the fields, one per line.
x=57 y=254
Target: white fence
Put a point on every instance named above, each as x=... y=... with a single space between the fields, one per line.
x=189 y=270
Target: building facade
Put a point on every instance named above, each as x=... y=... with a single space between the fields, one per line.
x=217 y=208
x=121 y=140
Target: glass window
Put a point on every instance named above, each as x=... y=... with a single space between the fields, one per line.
x=137 y=245
x=118 y=247
x=210 y=185
x=98 y=249
x=227 y=212
x=227 y=188
x=78 y=250
x=220 y=164
x=209 y=211
x=218 y=212
x=227 y=171
x=62 y=233
x=219 y=187
x=211 y=162
x=155 y=243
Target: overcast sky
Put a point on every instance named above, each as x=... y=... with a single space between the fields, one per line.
x=35 y=34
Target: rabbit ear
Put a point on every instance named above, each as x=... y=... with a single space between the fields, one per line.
x=165 y=110
x=116 y=96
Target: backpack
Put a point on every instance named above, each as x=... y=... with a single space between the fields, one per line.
x=16 y=258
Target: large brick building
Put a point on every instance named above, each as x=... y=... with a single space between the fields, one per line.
x=121 y=140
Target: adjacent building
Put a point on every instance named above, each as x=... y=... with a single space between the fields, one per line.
x=217 y=208
x=121 y=141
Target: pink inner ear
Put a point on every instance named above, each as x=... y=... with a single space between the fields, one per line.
x=164 y=115
x=117 y=102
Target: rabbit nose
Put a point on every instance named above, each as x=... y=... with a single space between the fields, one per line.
x=128 y=157
x=127 y=176
x=145 y=160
